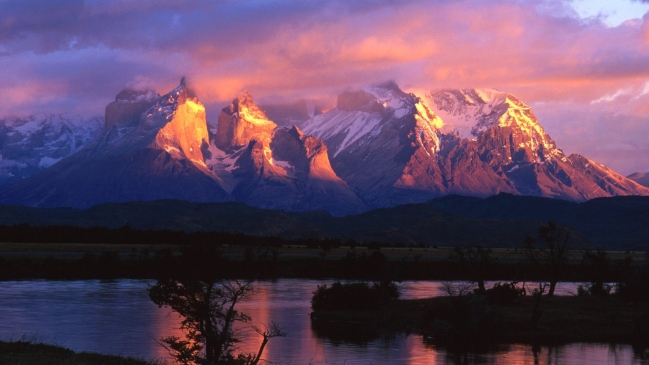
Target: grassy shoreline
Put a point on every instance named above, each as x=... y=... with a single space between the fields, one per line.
x=564 y=319
x=113 y=261
x=34 y=353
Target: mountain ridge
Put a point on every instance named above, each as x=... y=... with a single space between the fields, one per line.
x=504 y=220
x=641 y=178
x=379 y=147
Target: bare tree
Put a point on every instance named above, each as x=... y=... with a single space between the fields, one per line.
x=268 y=332
x=537 y=294
x=478 y=260
x=208 y=309
x=551 y=253
x=457 y=289
x=597 y=266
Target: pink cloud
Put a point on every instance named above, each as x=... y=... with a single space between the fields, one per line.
x=538 y=50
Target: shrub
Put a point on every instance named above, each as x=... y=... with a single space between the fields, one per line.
x=593 y=289
x=353 y=296
x=503 y=293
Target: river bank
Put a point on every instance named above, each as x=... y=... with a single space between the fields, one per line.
x=471 y=320
x=34 y=353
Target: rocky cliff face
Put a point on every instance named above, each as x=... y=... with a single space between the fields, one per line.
x=157 y=157
x=275 y=167
x=510 y=140
x=31 y=144
x=392 y=148
x=185 y=134
x=241 y=122
x=379 y=147
x=386 y=144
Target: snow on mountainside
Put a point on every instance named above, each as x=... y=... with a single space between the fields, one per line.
x=150 y=148
x=392 y=148
x=470 y=112
x=387 y=146
x=174 y=122
x=265 y=165
x=33 y=143
x=360 y=114
x=510 y=139
x=380 y=146
x=157 y=147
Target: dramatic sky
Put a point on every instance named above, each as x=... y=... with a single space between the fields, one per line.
x=583 y=65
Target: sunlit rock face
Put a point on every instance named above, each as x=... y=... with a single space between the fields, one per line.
x=379 y=146
x=391 y=147
x=241 y=122
x=386 y=144
x=31 y=144
x=509 y=139
x=185 y=132
x=158 y=155
x=275 y=167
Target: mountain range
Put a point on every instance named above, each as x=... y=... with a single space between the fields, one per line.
x=31 y=144
x=379 y=147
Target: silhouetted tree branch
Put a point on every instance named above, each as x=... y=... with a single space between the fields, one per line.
x=552 y=253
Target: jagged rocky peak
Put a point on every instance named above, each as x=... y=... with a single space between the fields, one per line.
x=362 y=116
x=492 y=115
x=179 y=121
x=468 y=112
x=128 y=106
x=241 y=122
x=287 y=143
x=33 y=143
x=305 y=153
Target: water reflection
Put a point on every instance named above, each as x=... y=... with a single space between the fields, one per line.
x=117 y=317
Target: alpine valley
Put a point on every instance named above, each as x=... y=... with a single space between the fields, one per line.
x=379 y=147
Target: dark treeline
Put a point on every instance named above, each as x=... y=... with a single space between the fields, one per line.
x=26 y=233
x=156 y=253
x=125 y=234
x=267 y=263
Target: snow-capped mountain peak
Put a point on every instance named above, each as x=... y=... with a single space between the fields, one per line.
x=468 y=113
x=165 y=107
x=379 y=147
x=362 y=114
x=30 y=144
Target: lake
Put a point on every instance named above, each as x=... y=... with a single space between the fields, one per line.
x=117 y=317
